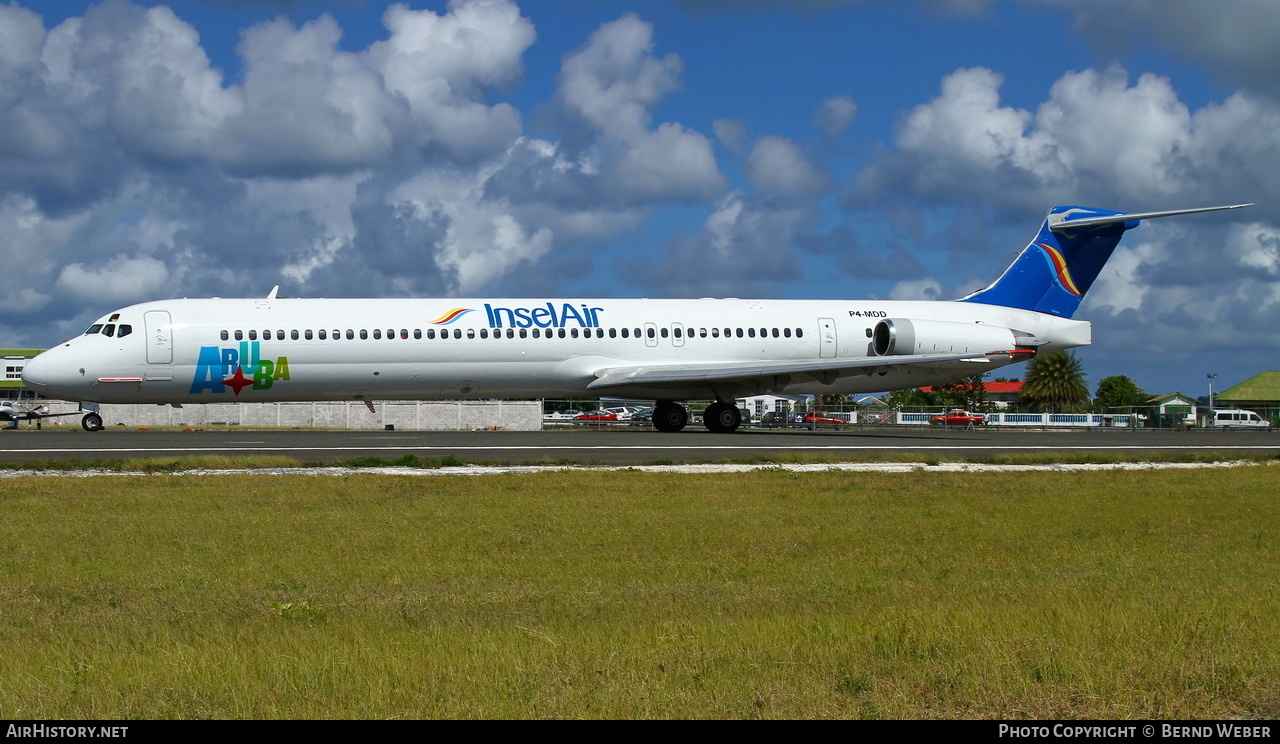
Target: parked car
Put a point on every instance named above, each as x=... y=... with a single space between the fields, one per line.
x=624 y=413
x=642 y=417
x=814 y=419
x=958 y=417
x=595 y=417
x=560 y=417
x=1237 y=418
x=773 y=420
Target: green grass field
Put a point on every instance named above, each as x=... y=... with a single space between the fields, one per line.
x=772 y=594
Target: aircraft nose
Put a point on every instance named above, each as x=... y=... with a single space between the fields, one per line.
x=35 y=373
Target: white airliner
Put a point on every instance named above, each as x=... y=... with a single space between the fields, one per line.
x=273 y=349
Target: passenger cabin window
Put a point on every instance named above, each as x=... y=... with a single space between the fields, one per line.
x=364 y=335
x=225 y=336
x=377 y=333
x=253 y=335
x=417 y=333
x=239 y=335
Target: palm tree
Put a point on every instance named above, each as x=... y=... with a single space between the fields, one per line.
x=1057 y=380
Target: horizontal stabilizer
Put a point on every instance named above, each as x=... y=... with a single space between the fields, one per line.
x=1068 y=220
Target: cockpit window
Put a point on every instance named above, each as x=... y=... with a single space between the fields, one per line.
x=93 y=328
x=109 y=329
x=124 y=330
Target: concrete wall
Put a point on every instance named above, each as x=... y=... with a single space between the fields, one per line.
x=522 y=415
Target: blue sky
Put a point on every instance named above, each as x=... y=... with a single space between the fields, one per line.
x=658 y=148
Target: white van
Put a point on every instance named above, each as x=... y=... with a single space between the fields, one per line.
x=1237 y=417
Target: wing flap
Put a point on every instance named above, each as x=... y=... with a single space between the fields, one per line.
x=611 y=377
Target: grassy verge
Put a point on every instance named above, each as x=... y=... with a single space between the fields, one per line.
x=627 y=595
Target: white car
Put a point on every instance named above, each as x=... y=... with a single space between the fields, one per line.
x=624 y=413
x=1237 y=417
x=560 y=417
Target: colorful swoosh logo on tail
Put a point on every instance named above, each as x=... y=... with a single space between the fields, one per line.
x=1060 y=266
x=451 y=316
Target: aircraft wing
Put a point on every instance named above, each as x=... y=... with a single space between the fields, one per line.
x=729 y=372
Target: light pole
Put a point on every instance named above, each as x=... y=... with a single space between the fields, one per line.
x=1212 y=376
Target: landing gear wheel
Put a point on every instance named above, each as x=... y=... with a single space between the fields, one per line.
x=91 y=422
x=669 y=416
x=722 y=418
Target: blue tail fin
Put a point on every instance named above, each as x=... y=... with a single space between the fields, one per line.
x=1052 y=274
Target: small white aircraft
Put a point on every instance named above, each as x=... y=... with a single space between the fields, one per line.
x=271 y=349
x=13 y=411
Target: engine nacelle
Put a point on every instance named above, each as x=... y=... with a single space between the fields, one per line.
x=899 y=336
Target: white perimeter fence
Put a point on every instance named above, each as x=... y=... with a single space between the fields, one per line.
x=517 y=415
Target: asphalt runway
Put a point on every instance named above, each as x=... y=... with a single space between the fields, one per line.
x=609 y=447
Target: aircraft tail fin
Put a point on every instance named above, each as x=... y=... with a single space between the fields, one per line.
x=1052 y=274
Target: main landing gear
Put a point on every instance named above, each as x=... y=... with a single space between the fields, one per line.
x=669 y=416
x=720 y=418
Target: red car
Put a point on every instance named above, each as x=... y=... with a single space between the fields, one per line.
x=814 y=419
x=959 y=417
x=595 y=417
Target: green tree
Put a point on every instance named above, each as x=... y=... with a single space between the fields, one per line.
x=910 y=398
x=975 y=390
x=1120 y=391
x=1056 y=380
x=830 y=400
x=949 y=395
